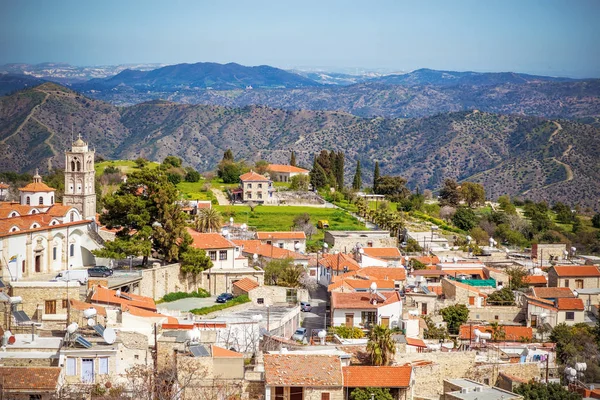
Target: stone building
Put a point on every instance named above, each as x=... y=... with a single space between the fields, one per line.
x=574 y=276
x=80 y=189
x=46 y=301
x=346 y=241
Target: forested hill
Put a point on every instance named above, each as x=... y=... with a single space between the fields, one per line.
x=542 y=159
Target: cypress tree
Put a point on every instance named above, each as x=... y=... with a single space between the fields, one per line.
x=228 y=155
x=357 y=182
x=339 y=170
x=376 y=177
x=293 y=159
x=318 y=177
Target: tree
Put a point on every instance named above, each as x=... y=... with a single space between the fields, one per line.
x=381 y=346
x=479 y=235
x=230 y=171
x=194 y=261
x=545 y=391
x=464 y=218
x=357 y=181
x=283 y=272
x=472 y=193
x=318 y=177
x=502 y=297
x=516 y=277
x=538 y=214
x=412 y=246
x=433 y=331
x=497 y=331
x=455 y=316
x=563 y=212
x=293 y=159
x=577 y=343
x=447 y=212
x=450 y=193
x=376 y=176
x=141 y=162
x=596 y=221
x=416 y=265
x=261 y=167
x=173 y=161
x=192 y=176
x=299 y=182
x=371 y=393
x=228 y=155
x=339 y=170
x=208 y=220
x=393 y=187
x=506 y=205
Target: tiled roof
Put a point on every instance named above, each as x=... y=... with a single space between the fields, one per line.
x=29 y=379
x=436 y=289
x=253 y=176
x=303 y=370
x=7 y=207
x=267 y=250
x=552 y=292
x=37 y=187
x=575 y=271
x=426 y=259
x=535 y=280
x=81 y=306
x=428 y=272
x=246 y=284
x=337 y=262
x=103 y=295
x=59 y=210
x=140 y=312
x=4 y=185
x=415 y=342
x=370 y=376
x=288 y=235
x=361 y=284
x=570 y=304
x=382 y=252
x=209 y=241
x=383 y=273
x=457 y=271
x=511 y=332
x=26 y=222
x=361 y=301
x=220 y=352
x=287 y=169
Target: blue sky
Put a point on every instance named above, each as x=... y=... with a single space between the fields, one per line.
x=544 y=37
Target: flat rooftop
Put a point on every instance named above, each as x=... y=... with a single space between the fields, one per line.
x=484 y=391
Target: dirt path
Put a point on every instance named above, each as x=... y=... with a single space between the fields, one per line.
x=220 y=197
x=27 y=118
x=47 y=141
x=558 y=129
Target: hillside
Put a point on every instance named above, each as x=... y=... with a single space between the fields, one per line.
x=10 y=83
x=540 y=158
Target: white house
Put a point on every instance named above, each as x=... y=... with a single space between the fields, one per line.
x=366 y=309
x=553 y=312
x=284 y=173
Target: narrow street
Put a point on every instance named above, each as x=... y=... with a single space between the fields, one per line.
x=315 y=319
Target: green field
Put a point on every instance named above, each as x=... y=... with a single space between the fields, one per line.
x=194 y=190
x=124 y=165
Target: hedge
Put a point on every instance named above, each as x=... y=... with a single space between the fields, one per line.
x=167 y=298
x=218 y=307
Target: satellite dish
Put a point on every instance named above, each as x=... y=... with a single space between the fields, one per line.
x=255 y=256
x=373 y=286
x=360 y=250
x=322 y=334
x=297 y=246
x=118 y=293
x=72 y=328
x=89 y=312
x=91 y=322
x=109 y=335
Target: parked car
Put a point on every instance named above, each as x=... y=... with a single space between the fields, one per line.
x=102 y=272
x=105 y=269
x=224 y=297
x=304 y=306
x=79 y=275
x=299 y=334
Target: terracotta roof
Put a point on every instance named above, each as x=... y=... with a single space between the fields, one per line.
x=361 y=300
x=29 y=380
x=220 y=352
x=4 y=185
x=361 y=284
x=428 y=272
x=511 y=332
x=287 y=169
x=108 y=296
x=576 y=271
x=253 y=176
x=426 y=259
x=415 y=342
x=59 y=210
x=382 y=252
x=7 y=207
x=435 y=289
x=369 y=376
x=81 y=306
x=513 y=378
x=209 y=241
x=570 y=304
x=140 y=312
x=25 y=223
x=303 y=370
x=535 y=279
x=266 y=250
x=337 y=262
x=383 y=273
x=552 y=292
x=288 y=235
x=37 y=187
x=246 y=284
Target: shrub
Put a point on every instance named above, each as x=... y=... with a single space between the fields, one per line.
x=200 y=293
x=218 y=307
x=347 y=332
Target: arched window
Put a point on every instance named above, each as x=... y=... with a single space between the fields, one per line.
x=34 y=211
x=72 y=250
x=52 y=200
x=72 y=216
x=28 y=200
x=14 y=229
x=54 y=251
x=41 y=201
x=78 y=165
x=72 y=165
x=14 y=214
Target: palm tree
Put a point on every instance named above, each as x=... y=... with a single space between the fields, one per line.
x=381 y=346
x=208 y=220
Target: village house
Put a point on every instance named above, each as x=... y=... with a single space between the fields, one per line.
x=364 y=310
x=29 y=382
x=463 y=293
x=292 y=240
x=268 y=252
x=379 y=256
x=395 y=378
x=254 y=188
x=331 y=266
x=284 y=173
x=574 y=276
x=467 y=389
x=553 y=312
x=510 y=333
x=345 y=241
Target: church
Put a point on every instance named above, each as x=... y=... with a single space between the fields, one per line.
x=41 y=236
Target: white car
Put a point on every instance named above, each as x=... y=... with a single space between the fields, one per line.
x=299 y=334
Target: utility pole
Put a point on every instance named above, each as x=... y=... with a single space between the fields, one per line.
x=155 y=362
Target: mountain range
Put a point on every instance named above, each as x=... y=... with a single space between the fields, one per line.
x=538 y=158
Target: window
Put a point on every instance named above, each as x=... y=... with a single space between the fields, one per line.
x=248 y=195
x=41 y=201
x=72 y=250
x=578 y=283
x=54 y=251
x=249 y=186
x=65 y=303
x=213 y=255
x=136 y=357
x=52 y=200
x=260 y=185
x=71 y=366
x=72 y=217
x=281 y=245
x=260 y=300
x=50 y=307
x=486 y=381
x=28 y=201
x=566 y=283
x=496 y=317
x=269 y=242
x=103 y=365
x=570 y=316
x=324 y=396
x=291 y=296
x=369 y=318
x=259 y=195
x=222 y=255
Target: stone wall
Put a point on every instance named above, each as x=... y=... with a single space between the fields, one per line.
x=275 y=295
x=498 y=314
x=35 y=295
x=161 y=280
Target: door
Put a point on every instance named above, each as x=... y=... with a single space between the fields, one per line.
x=296 y=393
x=423 y=308
x=350 y=320
x=87 y=370
x=534 y=321
x=38 y=263
x=50 y=307
x=385 y=321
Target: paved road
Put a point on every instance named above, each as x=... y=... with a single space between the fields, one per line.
x=188 y=304
x=315 y=319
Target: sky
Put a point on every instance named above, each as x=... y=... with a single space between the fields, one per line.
x=549 y=37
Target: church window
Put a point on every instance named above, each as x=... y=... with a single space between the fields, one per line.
x=72 y=217
x=72 y=165
x=72 y=250
x=33 y=211
x=78 y=165
x=41 y=201
x=52 y=200
x=28 y=200
x=54 y=252
x=14 y=214
x=14 y=229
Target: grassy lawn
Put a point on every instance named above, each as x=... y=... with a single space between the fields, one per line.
x=124 y=165
x=217 y=183
x=194 y=190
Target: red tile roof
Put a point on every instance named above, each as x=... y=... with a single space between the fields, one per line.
x=81 y=306
x=303 y=370
x=140 y=312
x=457 y=271
x=253 y=177
x=511 y=332
x=287 y=169
x=535 y=280
x=252 y=247
x=219 y=352
x=426 y=259
x=382 y=252
x=209 y=241
x=360 y=284
x=107 y=296
x=564 y=304
x=37 y=187
x=337 y=262
x=4 y=185
x=361 y=301
x=291 y=235
x=246 y=284
x=370 y=376
x=552 y=292
x=565 y=271
x=415 y=342
x=383 y=273
x=30 y=380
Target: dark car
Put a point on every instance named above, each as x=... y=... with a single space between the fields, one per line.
x=224 y=297
x=100 y=271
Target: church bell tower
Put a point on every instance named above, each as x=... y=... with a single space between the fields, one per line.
x=80 y=191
